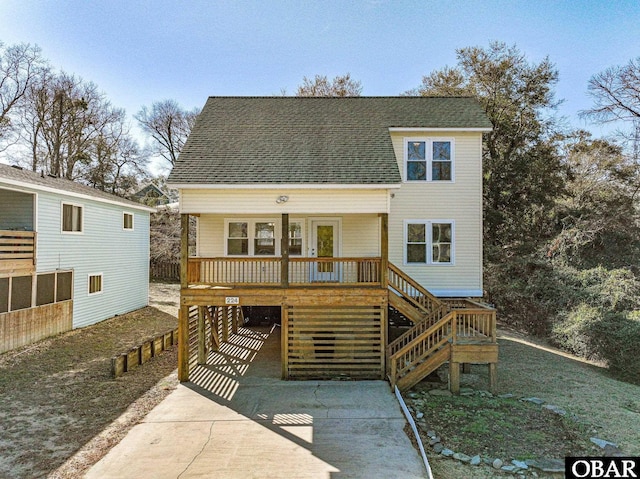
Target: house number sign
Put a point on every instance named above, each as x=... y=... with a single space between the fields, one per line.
x=231 y=300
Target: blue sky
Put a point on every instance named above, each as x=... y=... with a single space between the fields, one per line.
x=139 y=52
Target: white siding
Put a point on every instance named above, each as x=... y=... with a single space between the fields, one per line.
x=258 y=201
x=460 y=201
x=103 y=247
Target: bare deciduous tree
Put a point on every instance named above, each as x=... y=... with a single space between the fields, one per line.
x=616 y=93
x=169 y=125
x=320 y=86
x=20 y=66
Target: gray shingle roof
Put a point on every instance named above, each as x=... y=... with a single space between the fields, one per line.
x=310 y=140
x=38 y=181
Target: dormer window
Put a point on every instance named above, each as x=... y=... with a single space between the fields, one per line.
x=429 y=159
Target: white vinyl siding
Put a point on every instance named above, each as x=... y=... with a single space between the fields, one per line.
x=459 y=202
x=263 y=202
x=121 y=256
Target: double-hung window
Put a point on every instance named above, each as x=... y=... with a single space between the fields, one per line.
x=264 y=239
x=237 y=238
x=295 y=238
x=429 y=159
x=261 y=237
x=127 y=221
x=429 y=242
x=71 y=218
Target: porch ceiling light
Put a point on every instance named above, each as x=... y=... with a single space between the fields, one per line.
x=282 y=199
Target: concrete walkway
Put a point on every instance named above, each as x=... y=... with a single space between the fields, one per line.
x=237 y=419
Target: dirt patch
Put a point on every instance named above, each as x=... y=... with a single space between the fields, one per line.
x=56 y=395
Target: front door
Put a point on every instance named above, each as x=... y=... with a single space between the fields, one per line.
x=324 y=246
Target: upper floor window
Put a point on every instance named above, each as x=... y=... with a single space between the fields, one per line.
x=429 y=159
x=429 y=242
x=127 y=221
x=71 y=218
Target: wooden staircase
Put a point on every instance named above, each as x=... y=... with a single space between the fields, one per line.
x=454 y=331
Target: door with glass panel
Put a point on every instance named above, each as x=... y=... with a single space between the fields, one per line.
x=324 y=246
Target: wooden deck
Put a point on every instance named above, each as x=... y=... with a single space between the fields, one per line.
x=334 y=315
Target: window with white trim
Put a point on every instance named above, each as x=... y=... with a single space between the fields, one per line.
x=95 y=283
x=237 y=238
x=429 y=242
x=261 y=237
x=72 y=218
x=127 y=221
x=428 y=159
x=264 y=239
x=295 y=238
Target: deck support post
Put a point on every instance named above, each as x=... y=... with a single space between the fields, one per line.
x=202 y=348
x=466 y=368
x=493 y=378
x=284 y=339
x=183 y=344
x=225 y=323
x=284 y=250
x=454 y=378
x=183 y=316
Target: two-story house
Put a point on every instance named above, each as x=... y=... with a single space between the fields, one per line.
x=70 y=256
x=335 y=210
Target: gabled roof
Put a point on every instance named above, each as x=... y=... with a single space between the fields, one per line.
x=310 y=140
x=20 y=177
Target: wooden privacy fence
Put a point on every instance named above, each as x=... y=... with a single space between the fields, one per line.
x=163 y=271
x=325 y=342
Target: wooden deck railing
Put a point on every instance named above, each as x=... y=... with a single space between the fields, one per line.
x=412 y=291
x=17 y=251
x=268 y=271
x=458 y=326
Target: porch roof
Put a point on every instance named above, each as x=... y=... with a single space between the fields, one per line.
x=310 y=140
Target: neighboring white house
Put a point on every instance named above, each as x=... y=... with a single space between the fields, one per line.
x=70 y=256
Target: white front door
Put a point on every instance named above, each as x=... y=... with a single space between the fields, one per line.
x=325 y=239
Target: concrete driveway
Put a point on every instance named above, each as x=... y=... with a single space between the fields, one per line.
x=237 y=419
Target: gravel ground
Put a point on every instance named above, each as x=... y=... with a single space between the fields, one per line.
x=60 y=409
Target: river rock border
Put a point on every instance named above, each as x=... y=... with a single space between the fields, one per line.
x=521 y=468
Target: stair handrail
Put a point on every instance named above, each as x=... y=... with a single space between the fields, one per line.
x=425 y=337
x=394 y=271
x=417 y=329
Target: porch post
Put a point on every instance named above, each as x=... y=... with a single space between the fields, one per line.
x=384 y=248
x=284 y=250
x=183 y=317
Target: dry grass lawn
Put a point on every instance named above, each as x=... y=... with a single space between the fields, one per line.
x=530 y=368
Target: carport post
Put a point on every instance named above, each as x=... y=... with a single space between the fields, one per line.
x=183 y=316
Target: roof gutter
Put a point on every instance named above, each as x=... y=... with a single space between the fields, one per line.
x=291 y=186
x=48 y=189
